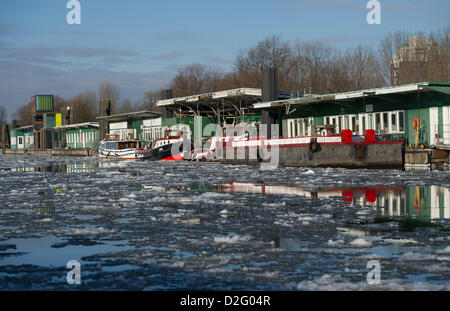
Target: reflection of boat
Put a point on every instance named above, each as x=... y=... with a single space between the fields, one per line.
x=426 y=202
x=169 y=148
x=112 y=147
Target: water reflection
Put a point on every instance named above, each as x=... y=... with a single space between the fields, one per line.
x=85 y=167
x=428 y=202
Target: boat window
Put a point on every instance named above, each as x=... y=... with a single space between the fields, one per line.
x=290 y=123
x=296 y=128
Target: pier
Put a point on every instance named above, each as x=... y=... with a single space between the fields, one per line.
x=55 y=152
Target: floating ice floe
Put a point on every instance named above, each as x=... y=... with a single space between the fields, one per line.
x=46 y=220
x=232 y=239
x=445 y=251
x=308 y=172
x=360 y=243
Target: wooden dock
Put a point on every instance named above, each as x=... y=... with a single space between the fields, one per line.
x=426 y=157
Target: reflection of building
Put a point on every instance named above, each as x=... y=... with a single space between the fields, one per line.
x=421 y=60
x=428 y=202
x=84 y=167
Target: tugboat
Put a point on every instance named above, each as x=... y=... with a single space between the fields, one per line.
x=113 y=148
x=169 y=148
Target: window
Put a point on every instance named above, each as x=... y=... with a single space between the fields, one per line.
x=296 y=128
x=327 y=120
x=370 y=119
x=340 y=124
x=363 y=124
x=290 y=123
x=385 y=122
x=401 y=121
x=377 y=122
x=394 y=122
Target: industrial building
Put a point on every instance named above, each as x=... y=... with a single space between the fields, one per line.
x=419 y=110
x=76 y=136
x=417 y=113
x=143 y=125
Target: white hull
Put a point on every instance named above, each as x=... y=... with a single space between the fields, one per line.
x=125 y=154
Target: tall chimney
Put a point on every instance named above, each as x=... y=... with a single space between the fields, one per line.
x=270 y=85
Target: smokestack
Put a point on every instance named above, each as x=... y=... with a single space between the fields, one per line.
x=270 y=85
x=167 y=94
x=108 y=107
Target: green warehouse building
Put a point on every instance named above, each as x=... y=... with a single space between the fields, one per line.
x=397 y=111
x=22 y=137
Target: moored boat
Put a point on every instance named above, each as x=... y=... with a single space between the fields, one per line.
x=113 y=148
x=169 y=148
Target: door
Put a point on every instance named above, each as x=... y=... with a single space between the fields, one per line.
x=446 y=124
x=20 y=142
x=434 y=122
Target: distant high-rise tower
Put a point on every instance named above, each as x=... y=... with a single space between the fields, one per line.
x=421 y=60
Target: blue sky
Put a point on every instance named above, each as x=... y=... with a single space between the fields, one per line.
x=139 y=44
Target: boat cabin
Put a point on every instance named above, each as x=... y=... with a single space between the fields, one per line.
x=112 y=141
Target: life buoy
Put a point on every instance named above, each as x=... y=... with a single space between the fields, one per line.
x=416 y=123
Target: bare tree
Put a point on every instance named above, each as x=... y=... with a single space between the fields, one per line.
x=109 y=90
x=150 y=99
x=442 y=37
x=269 y=53
x=126 y=106
x=195 y=79
x=364 y=67
x=23 y=115
x=84 y=107
x=388 y=47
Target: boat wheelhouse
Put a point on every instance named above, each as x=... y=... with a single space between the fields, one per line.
x=113 y=148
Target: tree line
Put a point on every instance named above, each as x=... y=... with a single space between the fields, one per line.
x=305 y=66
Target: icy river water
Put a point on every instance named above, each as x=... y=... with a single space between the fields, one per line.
x=209 y=226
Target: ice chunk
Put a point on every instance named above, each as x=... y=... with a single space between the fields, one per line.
x=232 y=239
x=360 y=243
